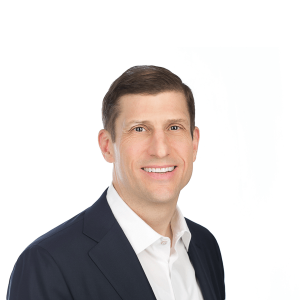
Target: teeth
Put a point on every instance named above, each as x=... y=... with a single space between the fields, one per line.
x=159 y=170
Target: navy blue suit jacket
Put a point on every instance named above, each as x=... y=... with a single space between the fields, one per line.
x=89 y=258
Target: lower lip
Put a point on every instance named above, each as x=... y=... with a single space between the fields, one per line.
x=160 y=176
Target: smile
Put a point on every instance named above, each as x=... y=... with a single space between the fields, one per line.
x=160 y=173
x=159 y=170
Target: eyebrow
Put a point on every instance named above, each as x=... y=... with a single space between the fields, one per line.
x=149 y=122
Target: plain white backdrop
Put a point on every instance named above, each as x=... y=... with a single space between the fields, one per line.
x=57 y=61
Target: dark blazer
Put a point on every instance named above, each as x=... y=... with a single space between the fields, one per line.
x=89 y=258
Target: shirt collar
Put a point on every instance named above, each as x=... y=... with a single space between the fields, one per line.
x=137 y=231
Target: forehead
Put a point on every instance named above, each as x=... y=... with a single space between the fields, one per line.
x=163 y=106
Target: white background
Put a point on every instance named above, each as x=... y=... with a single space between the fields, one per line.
x=241 y=60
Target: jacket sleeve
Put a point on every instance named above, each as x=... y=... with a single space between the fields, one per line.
x=37 y=276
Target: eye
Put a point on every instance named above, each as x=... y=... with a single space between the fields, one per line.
x=175 y=126
x=139 y=129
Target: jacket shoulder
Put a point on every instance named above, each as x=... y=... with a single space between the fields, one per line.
x=61 y=234
x=200 y=233
x=203 y=238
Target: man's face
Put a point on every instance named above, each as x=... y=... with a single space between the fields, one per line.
x=153 y=131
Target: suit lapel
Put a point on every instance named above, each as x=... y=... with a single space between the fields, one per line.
x=197 y=259
x=114 y=255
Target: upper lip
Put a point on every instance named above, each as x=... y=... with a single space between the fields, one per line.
x=159 y=167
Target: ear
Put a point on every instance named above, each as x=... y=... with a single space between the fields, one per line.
x=196 y=139
x=106 y=145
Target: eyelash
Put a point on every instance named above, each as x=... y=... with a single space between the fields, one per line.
x=143 y=127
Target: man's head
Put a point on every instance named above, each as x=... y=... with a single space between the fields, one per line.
x=149 y=80
x=149 y=122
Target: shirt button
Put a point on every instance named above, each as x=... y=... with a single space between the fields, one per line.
x=163 y=242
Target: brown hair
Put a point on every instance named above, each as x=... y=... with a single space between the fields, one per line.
x=147 y=80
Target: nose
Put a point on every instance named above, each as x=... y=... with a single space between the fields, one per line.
x=159 y=144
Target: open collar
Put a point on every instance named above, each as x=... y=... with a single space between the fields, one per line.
x=137 y=231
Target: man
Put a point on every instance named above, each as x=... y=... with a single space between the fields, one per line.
x=133 y=243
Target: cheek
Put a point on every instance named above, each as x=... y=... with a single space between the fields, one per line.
x=132 y=149
x=186 y=155
x=184 y=148
x=129 y=156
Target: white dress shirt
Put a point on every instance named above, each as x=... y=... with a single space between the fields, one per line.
x=167 y=267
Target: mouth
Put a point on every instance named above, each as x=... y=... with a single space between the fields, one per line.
x=160 y=170
x=160 y=174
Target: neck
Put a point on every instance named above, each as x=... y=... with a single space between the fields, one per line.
x=157 y=215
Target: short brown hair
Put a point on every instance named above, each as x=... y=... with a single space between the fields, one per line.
x=147 y=80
